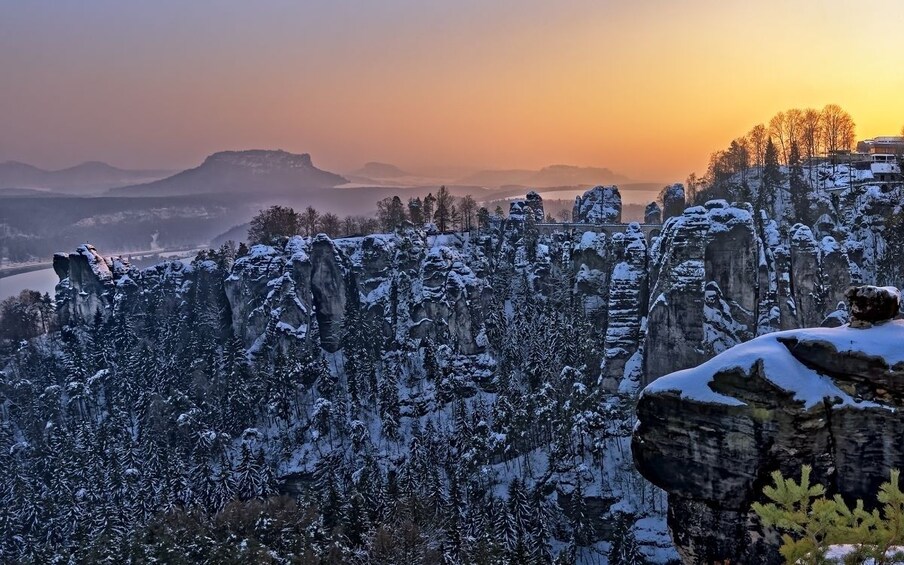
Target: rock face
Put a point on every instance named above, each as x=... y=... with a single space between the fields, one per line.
x=329 y=291
x=599 y=205
x=443 y=305
x=652 y=214
x=706 y=290
x=86 y=284
x=269 y=290
x=827 y=397
x=673 y=201
x=300 y=290
x=719 y=278
x=625 y=310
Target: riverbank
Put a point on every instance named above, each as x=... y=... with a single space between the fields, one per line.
x=22 y=269
x=147 y=255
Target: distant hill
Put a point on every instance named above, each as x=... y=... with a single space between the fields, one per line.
x=553 y=175
x=86 y=178
x=377 y=170
x=257 y=172
x=235 y=233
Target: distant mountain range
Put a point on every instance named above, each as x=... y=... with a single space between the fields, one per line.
x=258 y=171
x=553 y=175
x=264 y=173
x=86 y=178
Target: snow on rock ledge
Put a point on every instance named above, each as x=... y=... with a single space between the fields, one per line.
x=711 y=435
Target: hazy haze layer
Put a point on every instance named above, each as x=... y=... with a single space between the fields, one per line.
x=645 y=88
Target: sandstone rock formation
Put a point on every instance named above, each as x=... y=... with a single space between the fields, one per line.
x=599 y=205
x=626 y=309
x=715 y=276
x=689 y=318
x=535 y=203
x=652 y=214
x=673 y=201
x=828 y=397
x=86 y=284
x=299 y=290
x=268 y=288
x=719 y=278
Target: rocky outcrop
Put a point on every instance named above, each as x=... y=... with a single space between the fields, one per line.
x=706 y=286
x=448 y=292
x=531 y=205
x=673 y=201
x=299 y=290
x=828 y=397
x=592 y=262
x=87 y=284
x=535 y=202
x=268 y=290
x=626 y=310
x=599 y=205
x=719 y=278
x=652 y=214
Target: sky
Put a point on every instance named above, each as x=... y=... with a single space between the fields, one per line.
x=646 y=88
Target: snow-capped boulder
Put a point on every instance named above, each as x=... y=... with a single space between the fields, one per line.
x=873 y=305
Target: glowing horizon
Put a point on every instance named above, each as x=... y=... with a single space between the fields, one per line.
x=647 y=89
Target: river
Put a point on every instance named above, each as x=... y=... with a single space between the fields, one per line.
x=42 y=280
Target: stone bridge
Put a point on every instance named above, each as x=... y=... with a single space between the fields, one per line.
x=649 y=230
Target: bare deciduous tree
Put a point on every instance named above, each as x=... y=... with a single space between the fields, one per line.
x=838 y=129
x=811 y=123
x=467 y=206
x=309 y=219
x=756 y=141
x=331 y=225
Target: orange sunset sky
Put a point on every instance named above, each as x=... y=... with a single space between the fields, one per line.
x=646 y=88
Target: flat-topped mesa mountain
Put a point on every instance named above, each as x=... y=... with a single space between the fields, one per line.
x=86 y=178
x=831 y=398
x=255 y=172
